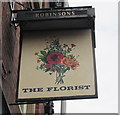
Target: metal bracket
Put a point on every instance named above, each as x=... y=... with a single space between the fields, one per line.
x=49 y=108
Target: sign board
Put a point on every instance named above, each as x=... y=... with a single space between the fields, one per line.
x=56 y=18
x=56 y=65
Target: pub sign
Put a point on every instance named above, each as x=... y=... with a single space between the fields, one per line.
x=56 y=65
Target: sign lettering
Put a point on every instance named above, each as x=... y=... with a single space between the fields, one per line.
x=54 y=14
x=62 y=88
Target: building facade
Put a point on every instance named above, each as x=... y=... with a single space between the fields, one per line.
x=9 y=57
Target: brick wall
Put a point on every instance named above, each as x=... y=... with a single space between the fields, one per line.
x=0 y=55
x=10 y=54
x=0 y=37
x=10 y=57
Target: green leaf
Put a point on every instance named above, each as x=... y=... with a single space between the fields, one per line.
x=58 y=70
x=43 y=53
x=41 y=67
x=56 y=65
x=64 y=52
x=65 y=45
x=72 y=56
x=48 y=69
x=42 y=58
x=67 y=69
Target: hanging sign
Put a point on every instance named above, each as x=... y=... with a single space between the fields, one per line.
x=57 y=65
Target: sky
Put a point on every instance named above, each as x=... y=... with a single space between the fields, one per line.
x=106 y=32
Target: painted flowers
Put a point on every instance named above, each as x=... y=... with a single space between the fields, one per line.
x=57 y=58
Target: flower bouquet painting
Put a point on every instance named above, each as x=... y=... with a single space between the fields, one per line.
x=57 y=58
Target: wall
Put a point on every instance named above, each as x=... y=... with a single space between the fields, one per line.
x=9 y=58
x=10 y=54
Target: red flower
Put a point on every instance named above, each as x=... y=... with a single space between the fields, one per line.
x=54 y=58
x=73 y=45
x=36 y=53
x=38 y=61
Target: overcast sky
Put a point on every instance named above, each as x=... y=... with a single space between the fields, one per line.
x=106 y=60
